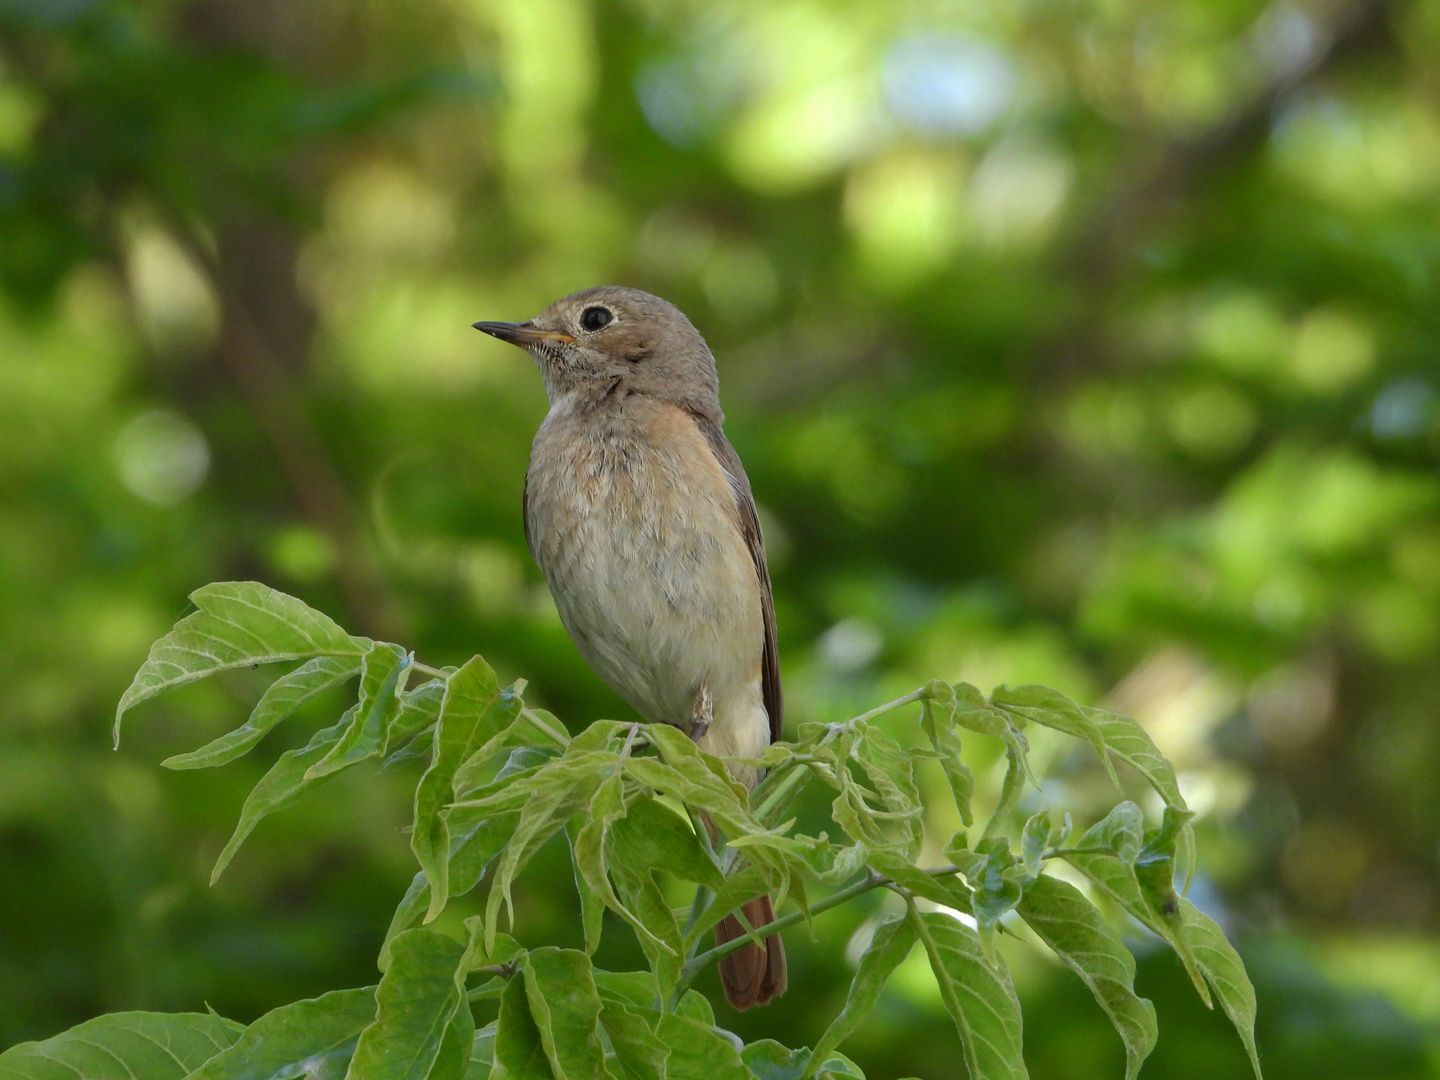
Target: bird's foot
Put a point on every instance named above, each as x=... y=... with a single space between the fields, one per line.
x=703 y=714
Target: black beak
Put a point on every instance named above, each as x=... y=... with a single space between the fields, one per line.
x=522 y=334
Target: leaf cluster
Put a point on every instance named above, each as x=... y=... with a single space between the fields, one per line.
x=633 y=801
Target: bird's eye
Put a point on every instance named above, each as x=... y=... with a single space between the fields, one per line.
x=593 y=318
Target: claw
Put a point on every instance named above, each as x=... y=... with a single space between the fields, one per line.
x=703 y=714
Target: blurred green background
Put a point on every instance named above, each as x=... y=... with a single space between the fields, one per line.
x=1093 y=343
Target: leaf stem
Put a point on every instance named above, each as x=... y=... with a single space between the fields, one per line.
x=530 y=714
x=426 y=669
x=699 y=963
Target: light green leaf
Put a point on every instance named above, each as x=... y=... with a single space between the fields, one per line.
x=1225 y=973
x=698 y=1051
x=1078 y=933
x=592 y=903
x=588 y=852
x=997 y=880
x=123 y=1046
x=651 y=834
x=890 y=768
x=282 y=786
x=382 y=675
x=937 y=720
x=1129 y=742
x=314 y=1038
x=888 y=948
x=639 y=1053
x=565 y=1006
x=280 y=700
x=418 y=709
x=482 y=1053
x=978 y=996
x=239 y=624
x=769 y=1060
x=519 y=1053
x=1052 y=709
x=416 y=1001
x=473 y=717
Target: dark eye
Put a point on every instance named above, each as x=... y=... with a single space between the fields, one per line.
x=593 y=318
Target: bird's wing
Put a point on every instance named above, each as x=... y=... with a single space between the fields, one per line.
x=750 y=530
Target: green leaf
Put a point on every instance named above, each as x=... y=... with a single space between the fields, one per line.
x=698 y=1051
x=1128 y=741
x=419 y=709
x=1108 y=854
x=519 y=1052
x=565 y=1006
x=769 y=1060
x=978 y=996
x=282 y=786
x=997 y=880
x=123 y=1046
x=280 y=700
x=651 y=834
x=890 y=768
x=1052 y=709
x=473 y=717
x=1079 y=934
x=1225 y=973
x=314 y=1038
x=888 y=948
x=416 y=1001
x=937 y=720
x=639 y=1053
x=239 y=624
x=482 y=1053
x=382 y=674
x=592 y=903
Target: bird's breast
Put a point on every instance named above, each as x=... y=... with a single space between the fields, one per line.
x=635 y=525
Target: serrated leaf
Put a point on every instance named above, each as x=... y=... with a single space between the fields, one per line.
x=519 y=1053
x=280 y=700
x=1050 y=708
x=978 y=996
x=937 y=720
x=415 y=1003
x=888 y=948
x=314 y=1038
x=239 y=624
x=1225 y=973
x=698 y=1051
x=282 y=786
x=565 y=1006
x=639 y=1053
x=1079 y=934
x=123 y=1046
x=473 y=716
x=382 y=674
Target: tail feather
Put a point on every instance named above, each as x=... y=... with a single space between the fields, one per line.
x=755 y=974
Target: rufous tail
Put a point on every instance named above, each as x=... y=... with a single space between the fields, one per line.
x=754 y=975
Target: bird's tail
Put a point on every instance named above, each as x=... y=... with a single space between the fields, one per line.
x=755 y=974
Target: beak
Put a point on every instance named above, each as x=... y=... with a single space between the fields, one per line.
x=522 y=334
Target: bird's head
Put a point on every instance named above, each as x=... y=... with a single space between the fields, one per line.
x=609 y=341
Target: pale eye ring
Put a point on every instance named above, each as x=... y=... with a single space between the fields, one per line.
x=594 y=318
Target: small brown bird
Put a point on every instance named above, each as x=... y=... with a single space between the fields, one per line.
x=639 y=513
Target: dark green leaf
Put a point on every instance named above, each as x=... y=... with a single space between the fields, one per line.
x=651 y=834
x=281 y=698
x=1078 y=933
x=519 y=1053
x=482 y=1053
x=416 y=1002
x=239 y=624
x=565 y=1006
x=123 y=1046
x=314 y=1038
x=978 y=996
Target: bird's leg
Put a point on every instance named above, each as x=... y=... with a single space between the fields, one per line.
x=703 y=714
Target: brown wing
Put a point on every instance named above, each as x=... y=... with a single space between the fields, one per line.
x=750 y=530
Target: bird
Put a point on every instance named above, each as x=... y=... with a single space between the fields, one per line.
x=640 y=515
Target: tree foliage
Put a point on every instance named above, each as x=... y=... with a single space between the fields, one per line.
x=633 y=801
